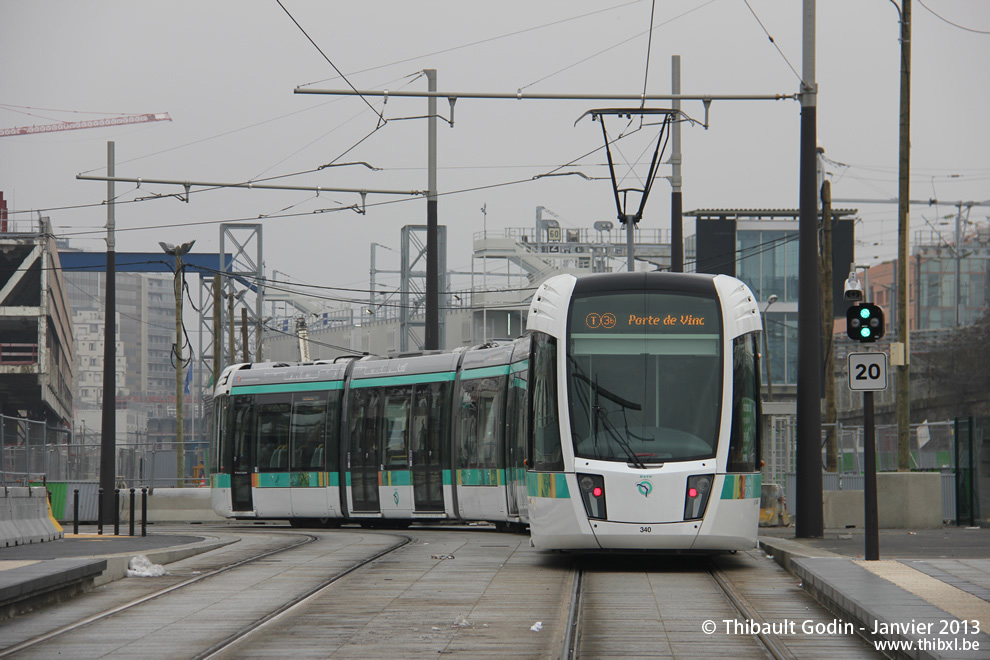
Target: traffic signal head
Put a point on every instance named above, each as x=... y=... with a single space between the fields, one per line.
x=864 y=322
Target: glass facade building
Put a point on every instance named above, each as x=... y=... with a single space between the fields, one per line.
x=760 y=247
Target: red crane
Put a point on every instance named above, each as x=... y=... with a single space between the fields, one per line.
x=90 y=123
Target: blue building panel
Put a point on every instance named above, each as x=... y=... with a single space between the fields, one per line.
x=142 y=262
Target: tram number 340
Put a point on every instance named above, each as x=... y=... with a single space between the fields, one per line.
x=867 y=371
x=645 y=530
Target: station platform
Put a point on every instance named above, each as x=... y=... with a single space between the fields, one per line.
x=36 y=573
x=928 y=596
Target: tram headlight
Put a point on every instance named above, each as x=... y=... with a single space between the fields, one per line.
x=699 y=487
x=592 y=487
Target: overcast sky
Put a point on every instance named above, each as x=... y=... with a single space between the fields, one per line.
x=225 y=72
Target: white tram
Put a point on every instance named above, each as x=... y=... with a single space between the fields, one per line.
x=626 y=418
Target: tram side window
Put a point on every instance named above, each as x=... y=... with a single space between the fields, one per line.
x=480 y=422
x=420 y=433
x=331 y=446
x=362 y=411
x=241 y=433
x=308 y=431
x=518 y=416
x=744 y=441
x=217 y=451
x=274 y=417
x=395 y=427
x=441 y=396
x=546 y=450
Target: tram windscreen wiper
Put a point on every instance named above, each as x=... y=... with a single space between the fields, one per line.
x=600 y=414
x=610 y=428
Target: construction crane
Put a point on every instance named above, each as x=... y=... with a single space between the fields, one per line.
x=90 y=123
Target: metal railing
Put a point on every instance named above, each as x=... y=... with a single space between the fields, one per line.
x=33 y=452
x=18 y=354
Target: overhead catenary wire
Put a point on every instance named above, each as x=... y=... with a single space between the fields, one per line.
x=955 y=25
x=381 y=117
x=649 y=50
x=483 y=41
x=615 y=45
x=773 y=41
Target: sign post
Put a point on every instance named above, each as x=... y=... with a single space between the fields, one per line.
x=868 y=373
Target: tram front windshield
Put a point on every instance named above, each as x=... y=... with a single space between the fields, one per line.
x=644 y=377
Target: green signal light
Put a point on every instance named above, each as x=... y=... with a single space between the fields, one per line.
x=864 y=322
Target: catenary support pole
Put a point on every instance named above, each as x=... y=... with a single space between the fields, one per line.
x=432 y=332
x=180 y=458
x=903 y=227
x=108 y=431
x=217 y=329
x=676 y=203
x=809 y=522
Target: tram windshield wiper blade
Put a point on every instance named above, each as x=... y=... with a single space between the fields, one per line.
x=617 y=436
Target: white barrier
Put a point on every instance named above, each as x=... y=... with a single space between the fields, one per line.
x=172 y=505
x=24 y=516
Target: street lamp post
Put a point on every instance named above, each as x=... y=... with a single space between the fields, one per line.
x=177 y=251
x=766 y=345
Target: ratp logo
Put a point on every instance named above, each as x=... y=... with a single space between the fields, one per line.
x=395 y=497
x=645 y=488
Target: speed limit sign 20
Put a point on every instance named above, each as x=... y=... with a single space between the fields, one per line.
x=867 y=371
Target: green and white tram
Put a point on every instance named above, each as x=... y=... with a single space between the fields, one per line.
x=627 y=417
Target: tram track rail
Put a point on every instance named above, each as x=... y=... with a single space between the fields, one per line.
x=572 y=623
x=571 y=646
x=773 y=645
x=294 y=604
x=63 y=630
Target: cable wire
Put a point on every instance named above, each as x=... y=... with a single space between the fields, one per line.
x=773 y=41
x=956 y=25
x=381 y=118
x=616 y=45
x=649 y=50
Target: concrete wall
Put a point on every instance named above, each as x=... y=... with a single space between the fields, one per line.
x=174 y=505
x=909 y=500
x=905 y=500
x=843 y=508
x=24 y=517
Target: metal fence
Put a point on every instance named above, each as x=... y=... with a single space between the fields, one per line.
x=932 y=449
x=32 y=452
x=24 y=447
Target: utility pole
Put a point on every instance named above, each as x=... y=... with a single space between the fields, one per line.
x=244 y=335
x=676 y=203
x=217 y=329
x=108 y=432
x=432 y=339
x=828 y=323
x=959 y=255
x=901 y=352
x=180 y=460
x=230 y=327
x=809 y=523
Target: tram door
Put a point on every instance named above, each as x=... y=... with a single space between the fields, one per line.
x=363 y=455
x=427 y=468
x=243 y=431
x=515 y=442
